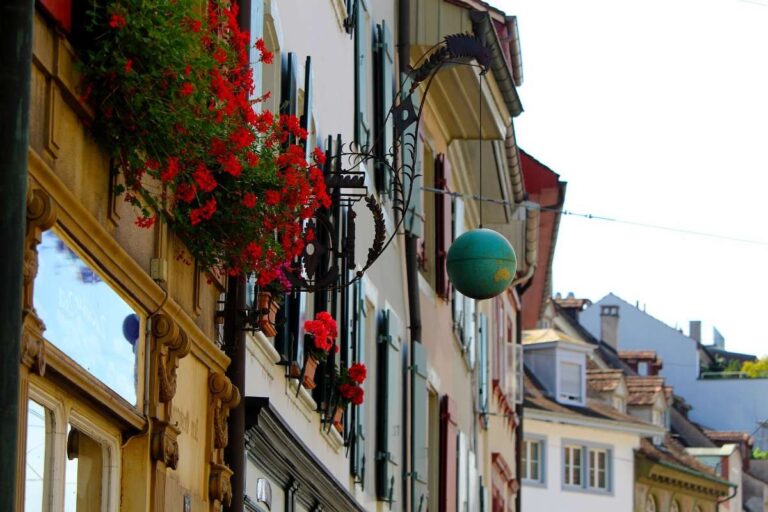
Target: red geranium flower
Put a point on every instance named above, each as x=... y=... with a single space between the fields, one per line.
x=117 y=21
x=357 y=373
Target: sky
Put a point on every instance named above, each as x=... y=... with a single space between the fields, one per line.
x=655 y=112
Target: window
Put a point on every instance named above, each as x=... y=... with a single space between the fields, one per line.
x=571 y=382
x=59 y=439
x=674 y=507
x=587 y=467
x=533 y=461
x=572 y=465
x=642 y=368
x=86 y=319
x=650 y=504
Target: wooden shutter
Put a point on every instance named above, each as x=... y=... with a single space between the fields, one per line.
x=443 y=230
x=306 y=116
x=483 y=388
x=419 y=445
x=384 y=93
x=362 y=130
x=388 y=404
x=448 y=455
x=358 y=430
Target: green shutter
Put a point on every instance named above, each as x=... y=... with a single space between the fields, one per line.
x=419 y=445
x=384 y=87
x=483 y=389
x=362 y=130
x=358 y=439
x=388 y=403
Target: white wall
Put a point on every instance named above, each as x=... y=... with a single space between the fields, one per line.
x=551 y=496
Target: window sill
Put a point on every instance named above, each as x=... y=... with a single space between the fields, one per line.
x=585 y=490
x=304 y=396
x=332 y=437
x=265 y=346
x=535 y=483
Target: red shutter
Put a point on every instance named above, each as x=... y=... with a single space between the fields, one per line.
x=442 y=226
x=60 y=11
x=448 y=441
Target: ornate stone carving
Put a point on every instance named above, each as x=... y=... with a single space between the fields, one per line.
x=32 y=343
x=172 y=344
x=41 y=215
x=219 y=486
x=225 y=397
x=164 y=446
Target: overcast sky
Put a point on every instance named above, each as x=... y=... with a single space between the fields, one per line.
x=655 y=112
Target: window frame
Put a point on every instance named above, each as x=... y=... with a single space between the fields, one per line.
x=587 y=448
x=569 y=399
x=525 y=476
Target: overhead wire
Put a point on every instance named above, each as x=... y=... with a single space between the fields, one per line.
x=591 y=216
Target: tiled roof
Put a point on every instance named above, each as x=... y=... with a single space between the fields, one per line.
x=536 y=398
x=534 y=336
x=603 y=380
x=643 y=390
x=729 y=437
x=672 y=452
x=571 y=302
x=638 y=354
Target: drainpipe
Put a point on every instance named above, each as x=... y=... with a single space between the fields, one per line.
x=15 y=70
x=234 y=345
x=519 y=412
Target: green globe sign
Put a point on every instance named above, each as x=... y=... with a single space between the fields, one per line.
x=481 y=263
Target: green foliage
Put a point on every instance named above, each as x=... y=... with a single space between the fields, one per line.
x=757 y=453
x=756 y=369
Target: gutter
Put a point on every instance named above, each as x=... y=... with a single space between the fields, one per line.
x=620 y=426
x=483 y=28
x=513 y=37
x=699 y=474
x=531 y=246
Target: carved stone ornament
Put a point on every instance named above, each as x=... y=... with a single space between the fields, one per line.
x=219 y=486
x=225 y=397
x=164 y=446
x=172 y=344
x=32 y=343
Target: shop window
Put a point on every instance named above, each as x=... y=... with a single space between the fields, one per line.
x=39 y=458
x=85 y=318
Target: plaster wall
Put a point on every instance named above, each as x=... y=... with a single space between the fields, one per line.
x=552 y=495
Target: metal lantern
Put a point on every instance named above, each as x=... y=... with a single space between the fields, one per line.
x=481 y=263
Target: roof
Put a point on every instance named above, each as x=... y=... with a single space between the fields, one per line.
x=537 y=398
x=536 y=336
x=571 y=302
x=722 y=437
x=643 y=390
x=687 y=432
x=716 y=451
x=602 y=380
x=728 y=355
x=638 y=354
x=672 y=453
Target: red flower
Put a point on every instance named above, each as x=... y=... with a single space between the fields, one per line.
x=272 y=197
x=358 y=395
x=231 y=165
x=220 y=55
x=347 y=391
x=249 y=200
x=117 y=21
x=186 y=89
x=204 y=178
x=146 y=222
x=185 y=192
x=267 y=57
x=357 y=373
x=171 y=170
x=128 y=66
x=319 y=156
x=205 y=212
x=195 y=25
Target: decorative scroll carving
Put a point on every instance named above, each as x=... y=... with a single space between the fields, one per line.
x=225 y=397
x=32 y=343
x=220 y=488
x=172 y=344
x=164 y=446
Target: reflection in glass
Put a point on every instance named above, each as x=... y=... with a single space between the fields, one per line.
x=85 y=318
x=37 y=490
x=84 y=477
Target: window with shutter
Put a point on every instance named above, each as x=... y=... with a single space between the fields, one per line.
x=570 y=381
x=458 y=299
x=388 y=402
x=448 y=455
x=362 y=129
x=383 y=98
x=443 y=230
x=358 y=437
x=419 y=446
x=483 y=389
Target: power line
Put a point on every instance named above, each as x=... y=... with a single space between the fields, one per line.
x=591 y=216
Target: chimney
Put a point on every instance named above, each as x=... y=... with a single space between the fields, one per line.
x=609 y=325
x=694 y=330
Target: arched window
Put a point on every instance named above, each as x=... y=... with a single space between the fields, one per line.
x=650 y=504
x=674 y=507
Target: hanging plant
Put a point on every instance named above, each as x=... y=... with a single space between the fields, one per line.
x=172 y=87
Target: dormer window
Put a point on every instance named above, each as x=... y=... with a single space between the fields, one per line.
x=642 y=368
x=571 y=382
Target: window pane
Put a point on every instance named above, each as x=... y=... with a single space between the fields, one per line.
x=592 y=469
x=85 y=318
x=567 y=465
x=39 y=445
x=570 y=381
x=526 y=450
x=84 y=477
x=576 y=466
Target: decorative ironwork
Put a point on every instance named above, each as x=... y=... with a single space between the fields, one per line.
x=327 y=261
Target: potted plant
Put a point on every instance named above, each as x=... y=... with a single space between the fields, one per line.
x=269 y=298
x=349 y=390
x=322 y=333
x=172 y=90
